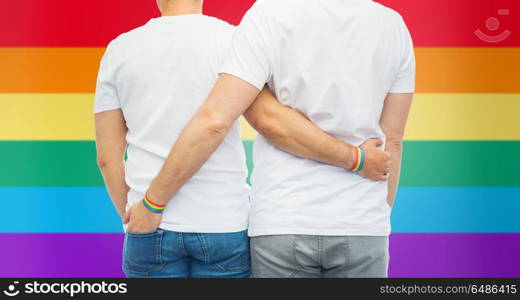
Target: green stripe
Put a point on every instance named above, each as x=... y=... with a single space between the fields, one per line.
x=461 y=163
x=49 y=163
x=426 y=163
x=248 y=145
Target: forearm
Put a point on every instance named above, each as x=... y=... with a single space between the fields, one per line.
x=395 y=148
x=114 y=177
x=393 y=122
x=193 y=148
x=111 y=145
x=292 y=132
x=229 y=98
x=300 y=137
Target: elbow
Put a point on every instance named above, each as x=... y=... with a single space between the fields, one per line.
x=216 y=123
x=103 y=163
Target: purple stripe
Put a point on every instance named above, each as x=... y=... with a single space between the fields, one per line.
x=455 y=255
x=412 y=255
x=61 y=255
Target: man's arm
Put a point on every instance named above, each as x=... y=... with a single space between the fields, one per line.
x=111 y=146
x=393 y=122
x=292 y=132
x=230 y=97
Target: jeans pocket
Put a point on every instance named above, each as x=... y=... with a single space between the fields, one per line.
x=238 y=263
x=142 y=253
x=230 y=253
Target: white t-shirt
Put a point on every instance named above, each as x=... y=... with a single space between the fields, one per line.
x=159 y=75
x=334 y=61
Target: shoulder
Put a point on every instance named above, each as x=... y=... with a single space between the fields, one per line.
x=387 y=13
x=219 y=25
x=276 y=11
x=391 y=20
x=221 y=31
x=124 y=40
x=276 y=4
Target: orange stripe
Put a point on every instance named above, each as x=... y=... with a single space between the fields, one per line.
x=49 y=70
x=439 y=70
x=468 y=70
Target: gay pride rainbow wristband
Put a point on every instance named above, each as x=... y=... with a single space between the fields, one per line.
x=156 y=208
x=360 y=160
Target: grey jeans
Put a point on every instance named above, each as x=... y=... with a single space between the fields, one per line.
x=310 y=256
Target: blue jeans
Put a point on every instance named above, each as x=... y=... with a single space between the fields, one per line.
x=168 y=254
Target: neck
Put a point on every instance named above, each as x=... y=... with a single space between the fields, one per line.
x=180 y=7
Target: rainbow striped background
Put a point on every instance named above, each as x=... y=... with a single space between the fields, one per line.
x=457 y=212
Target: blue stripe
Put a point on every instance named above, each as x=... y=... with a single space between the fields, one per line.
x=67 y=210
x=417 y=210
x=362 y=162
x=464 y=210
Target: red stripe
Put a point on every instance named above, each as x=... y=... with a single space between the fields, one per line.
x=93 y=23
x=452 y=23
x=230 y=10
x=356 y=161
x=69 y=23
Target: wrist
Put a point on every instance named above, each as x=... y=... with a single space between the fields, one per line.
x=350 y=157
x=155 y=193
x=153 y=206
x=360 y=160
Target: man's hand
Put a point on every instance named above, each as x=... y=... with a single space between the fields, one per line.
x=377 y=162
x=141 y=220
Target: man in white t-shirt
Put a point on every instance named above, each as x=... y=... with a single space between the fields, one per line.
x=347 y=66
x=151 y=82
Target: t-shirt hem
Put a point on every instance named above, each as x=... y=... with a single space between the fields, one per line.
x=402 y=91
x=203 y=229
x=243 y=76
x=315 y=231
x=106 y=108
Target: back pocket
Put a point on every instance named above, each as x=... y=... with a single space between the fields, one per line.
x=227 y=252
x=142 y=254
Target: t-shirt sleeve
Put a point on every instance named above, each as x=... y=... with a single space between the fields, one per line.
x=106 y=90
x=249 y=56
x=405 y=80
x=223 y=43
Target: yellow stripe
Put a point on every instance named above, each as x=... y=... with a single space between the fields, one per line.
x=359 y=157
x=433 y=117
x=46 y=117
x=153 y=205
x=464 y=117
x=247 y=132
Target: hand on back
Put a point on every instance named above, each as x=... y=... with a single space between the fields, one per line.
x=377 y=162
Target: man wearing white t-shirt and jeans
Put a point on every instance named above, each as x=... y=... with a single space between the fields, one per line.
x=347 y=66
x=151 y=82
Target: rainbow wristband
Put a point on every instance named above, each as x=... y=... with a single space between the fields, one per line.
x=360 y=160
x=153 y=207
